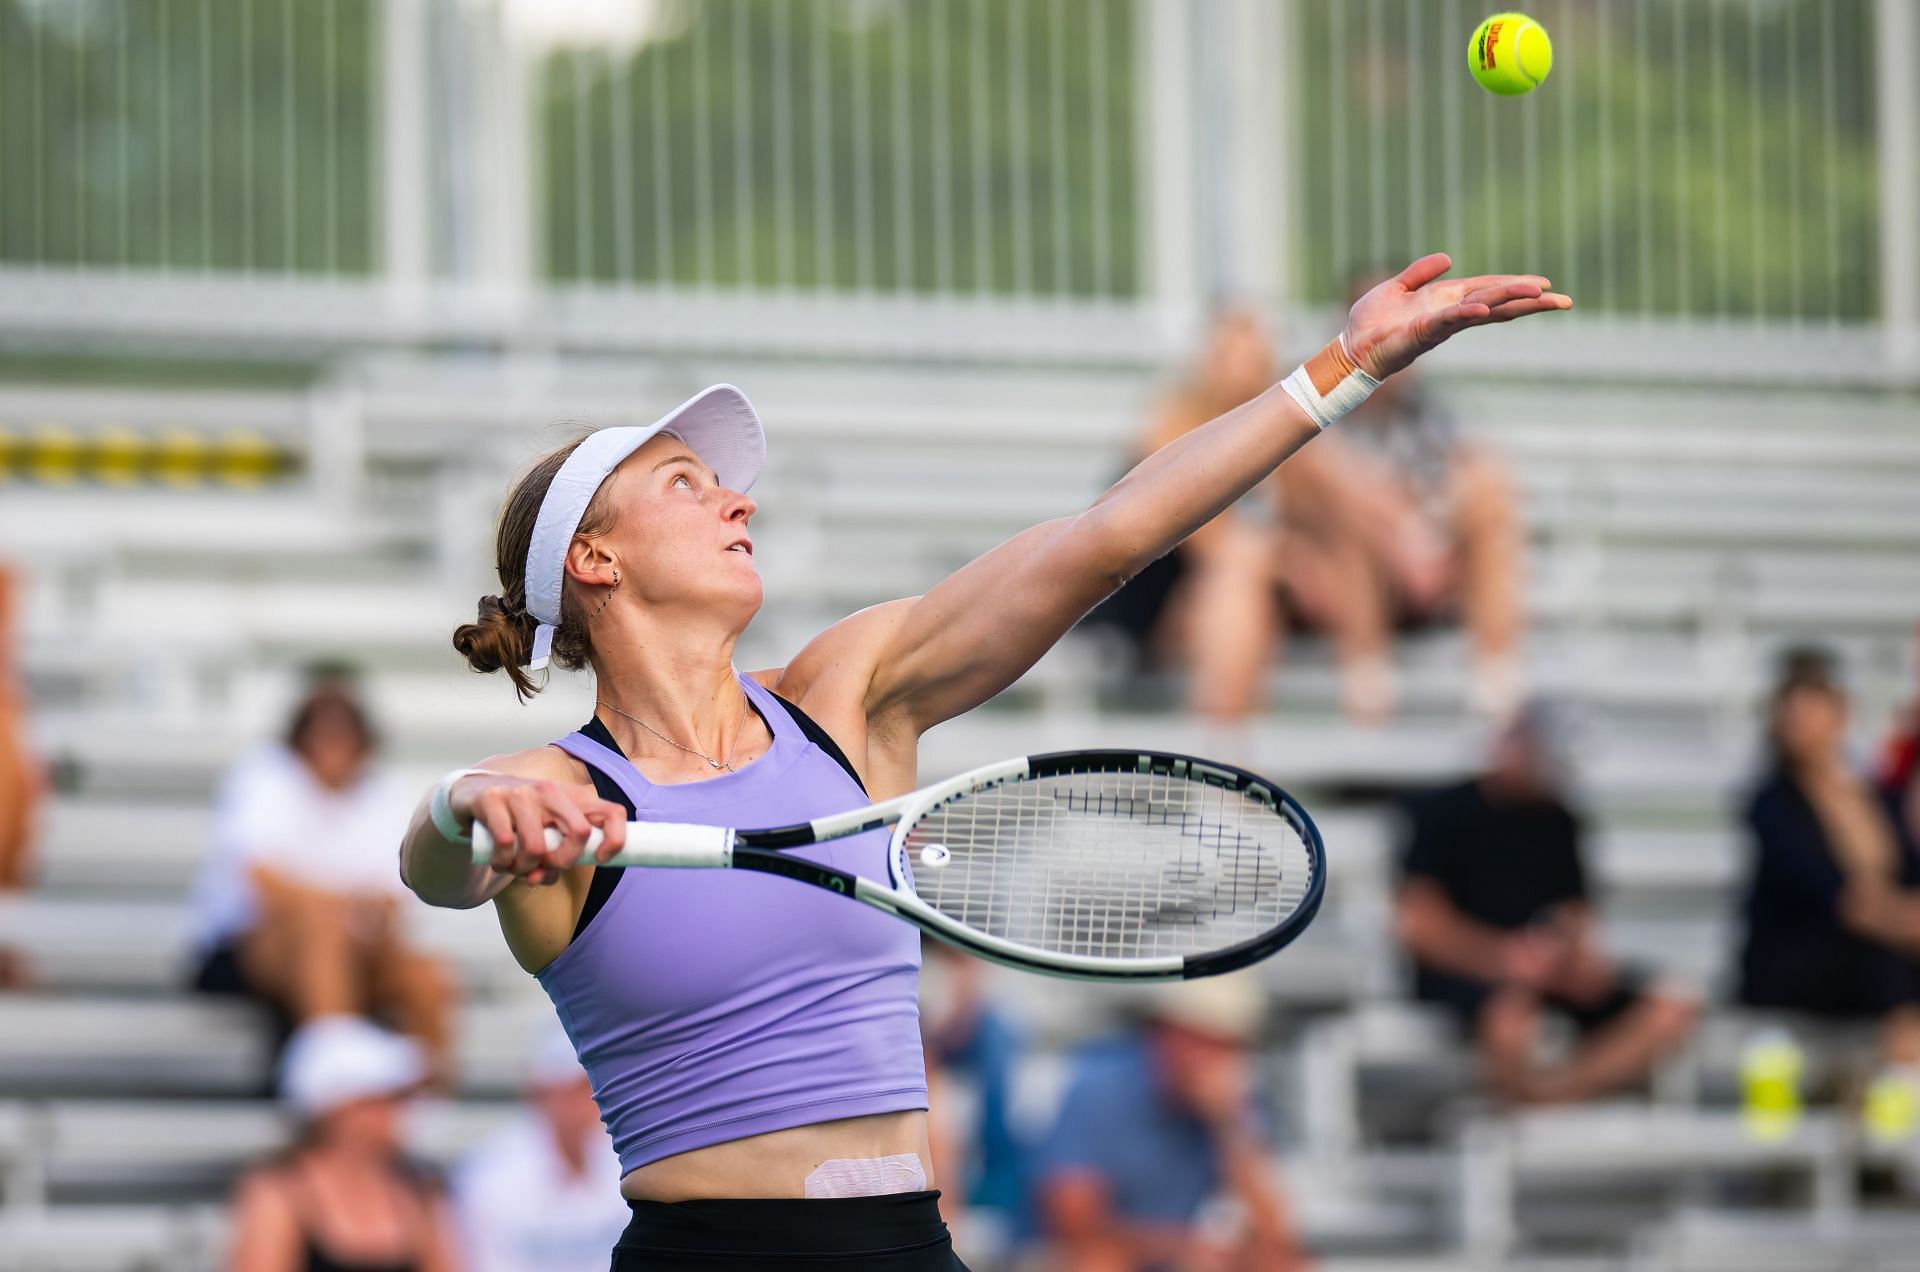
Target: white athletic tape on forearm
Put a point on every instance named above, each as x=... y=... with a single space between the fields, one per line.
x=440 y=807
x=1329 y=384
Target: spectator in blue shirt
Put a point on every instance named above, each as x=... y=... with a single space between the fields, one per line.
x=972 y=1049
x=1157 y=1124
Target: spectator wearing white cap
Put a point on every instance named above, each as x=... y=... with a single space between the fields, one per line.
x=543 y=1193
x=343 y=1198
x=1156 y=1126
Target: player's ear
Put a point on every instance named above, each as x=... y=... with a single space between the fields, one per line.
x=590 y=560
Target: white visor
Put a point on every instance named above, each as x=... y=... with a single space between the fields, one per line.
x=718 y=424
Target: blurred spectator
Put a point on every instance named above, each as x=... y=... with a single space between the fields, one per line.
x=1436 y=524
x=299 y=903
x=21 y=780
x=343 y=1198
x=1833 y=903
x=1495 y=910
x=543 y=1193
x=972 y=1049
x=1154 y=1126
x=1214 y=601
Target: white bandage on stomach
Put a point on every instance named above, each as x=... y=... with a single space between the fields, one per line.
x=1329 y=384
x=866 y=1177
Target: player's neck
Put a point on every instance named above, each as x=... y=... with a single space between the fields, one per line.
x=686 y=688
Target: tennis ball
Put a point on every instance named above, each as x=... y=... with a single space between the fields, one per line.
x=1510 y=54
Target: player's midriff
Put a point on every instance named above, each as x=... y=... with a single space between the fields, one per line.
x=717 y=1012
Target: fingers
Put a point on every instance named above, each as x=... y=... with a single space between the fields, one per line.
x=1424 y=271
x=611 y=818
x=1520 y=308
x=522 y=818
x=1496 y=294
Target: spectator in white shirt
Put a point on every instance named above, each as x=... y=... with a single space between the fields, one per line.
x=543 y=1194
x=299 y=903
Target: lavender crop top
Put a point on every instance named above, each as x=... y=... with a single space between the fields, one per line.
x=710 y=1005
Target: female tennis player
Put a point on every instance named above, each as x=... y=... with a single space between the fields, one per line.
x=753 y=1045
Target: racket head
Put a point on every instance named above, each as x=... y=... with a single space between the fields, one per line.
x=1111 y=864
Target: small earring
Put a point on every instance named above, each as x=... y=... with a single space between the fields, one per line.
x=609 y=600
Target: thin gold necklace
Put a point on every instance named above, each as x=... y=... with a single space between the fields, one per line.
x=718 y=764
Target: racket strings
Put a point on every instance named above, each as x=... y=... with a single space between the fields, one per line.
x=1116 y=864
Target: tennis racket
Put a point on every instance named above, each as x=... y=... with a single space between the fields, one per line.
x=1092 y=865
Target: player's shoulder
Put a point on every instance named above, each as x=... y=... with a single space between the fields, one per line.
x=544 y=763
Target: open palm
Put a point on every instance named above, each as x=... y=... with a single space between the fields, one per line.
x=1416 y=309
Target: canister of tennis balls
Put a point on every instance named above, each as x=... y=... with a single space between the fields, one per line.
x=1510 y=54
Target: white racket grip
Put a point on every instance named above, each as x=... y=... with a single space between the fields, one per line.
x=675 y=844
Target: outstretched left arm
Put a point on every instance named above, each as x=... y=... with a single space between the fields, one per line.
x=976 y=632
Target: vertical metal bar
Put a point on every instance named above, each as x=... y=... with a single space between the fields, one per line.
x=163 y=49
x=1681 y=228
x=1057 y=146
x=1337 y=140
x=1376 y=139
x=1643 y=99
x=582 y=169
x=704 y=245
x=662 y=167
x=121 y=41
x=943 y=244
x=743 y=133
x=330 y=102
x=39 y=131
x=1451 y=140
x=1609 y=221
x=246 y=139
x=785 y=247
x=903 y=153
x=1164 y=49
x=1568 y=275
x=1019 y=150
x=1756 y=193
x=1716 y=39
x=1101 y=178
x=1251 y=183
x=406 y=160
x=289 y=204
x=1830 y=184
x=982 y=148
x=1793 y=178
x=82 y=205
x=1417 y=107
x=1897 y=47
x=206 y=135
x=862 y=54
x=620 y=137
x=822 y=152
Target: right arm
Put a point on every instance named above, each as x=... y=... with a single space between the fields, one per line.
x=516 y=797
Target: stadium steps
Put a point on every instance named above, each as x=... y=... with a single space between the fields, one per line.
x=165 y=1044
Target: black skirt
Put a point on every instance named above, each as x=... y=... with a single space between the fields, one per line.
x=900 y=1232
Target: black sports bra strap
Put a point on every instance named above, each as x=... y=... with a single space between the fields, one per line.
x=820 y=738
x=600 y=887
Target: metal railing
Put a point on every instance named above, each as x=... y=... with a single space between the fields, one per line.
x=1724 y=183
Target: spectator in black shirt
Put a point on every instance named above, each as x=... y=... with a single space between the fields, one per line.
x=1494 y=908
x=1833 y=902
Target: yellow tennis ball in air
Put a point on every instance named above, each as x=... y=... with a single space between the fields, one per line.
x=1510 y=54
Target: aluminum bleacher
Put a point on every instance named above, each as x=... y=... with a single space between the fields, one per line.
x=1677 y=538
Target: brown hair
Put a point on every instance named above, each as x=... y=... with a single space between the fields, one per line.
x=501 y=637
x=331 y=691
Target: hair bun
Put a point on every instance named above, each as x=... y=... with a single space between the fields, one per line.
x=499 y=637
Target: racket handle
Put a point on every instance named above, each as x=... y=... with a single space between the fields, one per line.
x=675 y=844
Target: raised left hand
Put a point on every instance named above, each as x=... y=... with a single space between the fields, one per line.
x=1416 y=310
